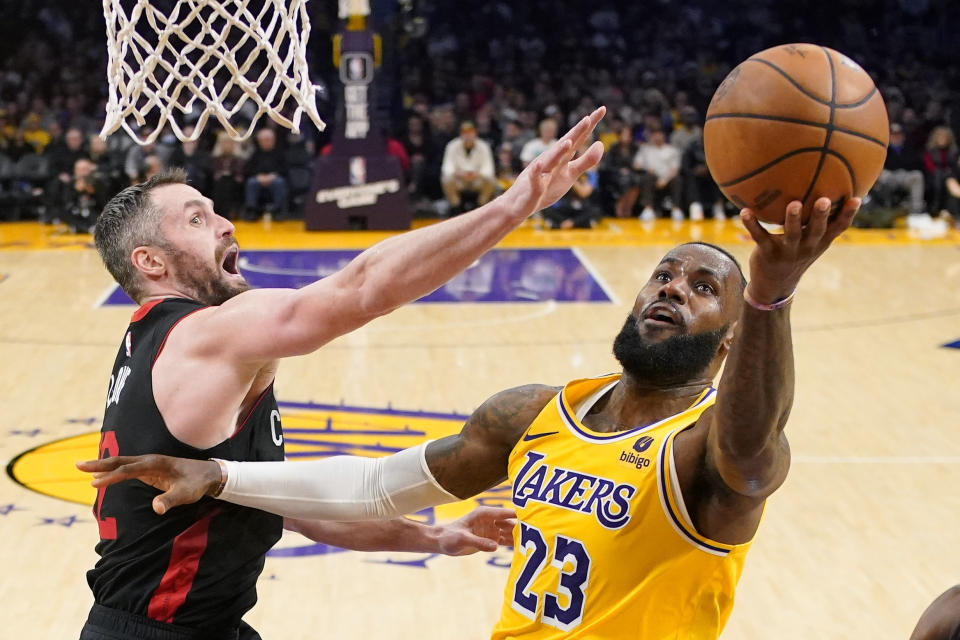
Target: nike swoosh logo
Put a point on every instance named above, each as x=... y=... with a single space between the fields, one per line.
x=534 y=436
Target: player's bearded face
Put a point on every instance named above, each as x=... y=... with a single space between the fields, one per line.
x=672 y=360
x=204 y=280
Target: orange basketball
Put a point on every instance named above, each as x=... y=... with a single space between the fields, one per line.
x=795 y=122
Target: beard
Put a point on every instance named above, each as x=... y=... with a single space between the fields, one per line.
x=674 y=360
x=204 y=282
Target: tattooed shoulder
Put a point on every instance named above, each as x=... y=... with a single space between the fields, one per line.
x=505 y=416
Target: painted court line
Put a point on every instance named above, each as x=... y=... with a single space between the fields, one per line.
x=102 y=300
x=595 y=274
x=877 y=459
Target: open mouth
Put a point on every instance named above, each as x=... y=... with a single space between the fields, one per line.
x=664 y=314
x=230 y=258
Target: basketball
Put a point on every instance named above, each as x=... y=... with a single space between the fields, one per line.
x=795 y=122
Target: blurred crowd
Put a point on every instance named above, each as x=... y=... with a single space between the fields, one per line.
x=479 y=90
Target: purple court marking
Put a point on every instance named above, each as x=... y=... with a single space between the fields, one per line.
x=63 y=522
x=386 y=411
x=953 y=345
x=32 y=433
x=501 y=275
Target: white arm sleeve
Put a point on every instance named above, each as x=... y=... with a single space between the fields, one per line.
x=344 y=488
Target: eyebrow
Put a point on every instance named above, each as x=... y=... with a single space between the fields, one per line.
x=202 y=203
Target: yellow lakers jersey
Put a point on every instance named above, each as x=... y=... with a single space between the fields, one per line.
x=604 y=547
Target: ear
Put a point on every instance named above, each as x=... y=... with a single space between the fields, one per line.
x=149 y=261
x=728 y=337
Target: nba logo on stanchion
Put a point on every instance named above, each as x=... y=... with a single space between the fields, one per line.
x=358 y=170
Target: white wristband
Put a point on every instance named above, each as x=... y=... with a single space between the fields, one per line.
x=341 y=488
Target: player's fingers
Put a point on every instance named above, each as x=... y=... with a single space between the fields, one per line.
x=159 y=505
x=479 y=543
x=843 y=220
x=591 y=123
x=498 y=513
x=553 y=157
x=589 y=159
x=578 y=130
x=170 y=499
x=792 y=227
x=752 y=225
x=817 y=223
x=130 y=471
x=105 y=464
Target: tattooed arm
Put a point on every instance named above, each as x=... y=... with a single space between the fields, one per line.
x=476 y=458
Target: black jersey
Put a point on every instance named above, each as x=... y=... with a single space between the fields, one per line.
x=197 y=565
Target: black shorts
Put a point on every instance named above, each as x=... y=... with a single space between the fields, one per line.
x=105 y=623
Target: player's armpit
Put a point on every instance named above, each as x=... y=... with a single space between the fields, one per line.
x=476 y=459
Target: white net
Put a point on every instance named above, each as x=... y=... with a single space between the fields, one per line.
x=181 y=62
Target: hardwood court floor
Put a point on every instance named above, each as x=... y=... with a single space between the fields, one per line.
x=862 y=536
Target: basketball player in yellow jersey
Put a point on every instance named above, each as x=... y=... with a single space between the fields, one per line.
x=637 y=494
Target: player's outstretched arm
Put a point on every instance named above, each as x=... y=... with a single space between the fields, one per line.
x=264 y=324
x=347 y=488
x=483 y=529
x=746 y=445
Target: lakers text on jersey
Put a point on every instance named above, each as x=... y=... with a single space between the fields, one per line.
x=604 y=547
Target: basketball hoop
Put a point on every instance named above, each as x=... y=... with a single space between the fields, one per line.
x=233 y=60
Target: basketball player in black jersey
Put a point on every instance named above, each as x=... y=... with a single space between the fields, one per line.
x=941 y=620
x=194 y=378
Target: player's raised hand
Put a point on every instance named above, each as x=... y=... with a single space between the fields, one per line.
x=183 y=481
x=483 y=529
x=779 y=260
x=554 y=171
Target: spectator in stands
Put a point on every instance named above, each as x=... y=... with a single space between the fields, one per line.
x=265 y=172
x=701 y=190
x=516 y=136
x=417 y=143
x=687 y=130
x=939 y=162
x=109 y=164
x=34 y=134
x=228 y=176
x=135 y=165
x=86 y=197
x=548 y=135
x=618 y=174
x=487 y=128
x=8 y=133
x=443 y=124
x=62 y=155
x=902 y=170
x=467 y=168
x=194 y=160
x=661 y=164
x=953 y=196
x=152 y=165
x=506 y=167
x=396 y=149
